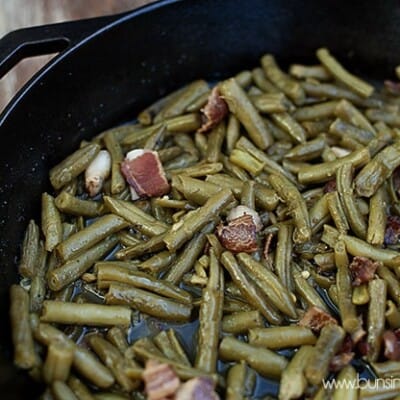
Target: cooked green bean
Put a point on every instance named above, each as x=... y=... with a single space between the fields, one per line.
x=215 y=139
x=249 y=289
x=262 y=82
x=61 y=391
x=293 y=381
x=37 y=292
x=210 y=314
x=316 y=111
x=346 y=111
x=141 y=280
x=73 y=165
x=58 y=362
x=118 y=183
x=307 y=151
x=30 y=250
x=246 y=161
x=241 y=322
x=377 y=115
x=24 y=352
x=345 y=189
x=183 y=231
x=337 y=212
x=169 y=344
x=336 y=69
x=287 y=123
x=274 y=289
x=80 y=390
x=240 y=105
x=261 y=359
x=392 y=315
x=198 y=103
x=72 y=205
x=392 y=283
x=156 y=243
x=235 y=382
x=346 y=388
x=158 y=262
x=147 y=302
x=51 y=222
x=380 y=392
x=74 y=268
x=288 y=192
x=281 y=336
x=317 y=72
x=328 y=343
x=360 y=295
x=376 y=317
x=117 y=337
x=387 y=369
x=325 y=171
x=271 y=102
x=282 y=81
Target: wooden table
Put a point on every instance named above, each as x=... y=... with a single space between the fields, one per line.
x=15 y=14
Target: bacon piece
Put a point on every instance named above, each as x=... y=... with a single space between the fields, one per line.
x=201 y=388
x=362 y=270
x=160 y=380
x=330 y=186
x=363 y=347
x=239 y=235
x=391 y=345
x=392 y=232
x=339 y=361
x=316 y=318
x=239 y=211
x=143 y=171
x=214 y=111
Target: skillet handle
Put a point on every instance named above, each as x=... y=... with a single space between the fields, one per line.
x=46 y=39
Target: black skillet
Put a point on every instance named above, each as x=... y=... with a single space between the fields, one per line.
x=109 y=68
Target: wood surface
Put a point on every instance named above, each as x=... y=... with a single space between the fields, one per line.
x=16 y=14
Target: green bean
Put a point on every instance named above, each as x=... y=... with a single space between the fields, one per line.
x=392 y=315
x=169 y=153
x=84 y=314
x=328 y=343
x=185 y=141
x=377 y=217
x=387 y=369
x=75 y=267
x=262 y=82
x=246 y=161
x=360 y=295
x=293 y=382
x=141 y=280
x=158 y=262
x=197 y=170
x=117 y=337
x=319 y=214
x=61 y=391
x=377 y=115
x=241 y=322
x=215 y=139
x=232 y=305
x=317 y=112
x=118 y=183
x=210 y=314
x=79 y=388
x=281 y=336
x=51 y=222
x=344 y=186
x=91 y=235
x=126 y=239
x=183 y=123
x=271 y=103
x=341 y=128
x=325 y=171
x=287 y=123
x=179 y=103
x=169 y=344
x=376 y=317
x=332 y=91
x=290 y=195
x=84 y=360
x=346 y=111
x=244 y=78
x=307 y=291
x=346 y=388
x=30 y=251
x=145 y=349
x=307 y=151
x=198 y=103
x=24 y=351
x=336 y=69
x=248 y=196
x=232 y=133
x=154 y=244
x=314 y=128
x=317 y=72
x=138 y=219
x=325 y=261
x=337 y=212
x=148 y=303
x=393 y=285
x=234 y=170
x=114 y=360
x=194 y=190
x=236 y=378
x=58 y=362
x=274 y=289
x=38 y=284
x=372 y=176
x=282 y=81
x=249 y=289
x=72 y=205
x=348 y=315
x=243 y=109
x=264 y=361
x=197 y=219
x=73 y=165
x=380 y=392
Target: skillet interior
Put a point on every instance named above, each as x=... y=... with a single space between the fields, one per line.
x=145 y=54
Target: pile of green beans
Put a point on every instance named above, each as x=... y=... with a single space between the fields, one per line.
x=108 y=283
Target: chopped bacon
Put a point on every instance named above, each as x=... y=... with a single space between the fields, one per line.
x=214 y=111
x=391 y=346
x=339 y=361
x=241 y=210
x=316 y=318
x=392 y=232
x=239 y=235
x=363 y=347
x=330 y=186
x=160 y=380
x=392 y=87
x=201 y=388
x=143 y=171
x=362 y=270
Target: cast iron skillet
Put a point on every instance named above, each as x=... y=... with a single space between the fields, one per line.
x=109 y=68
